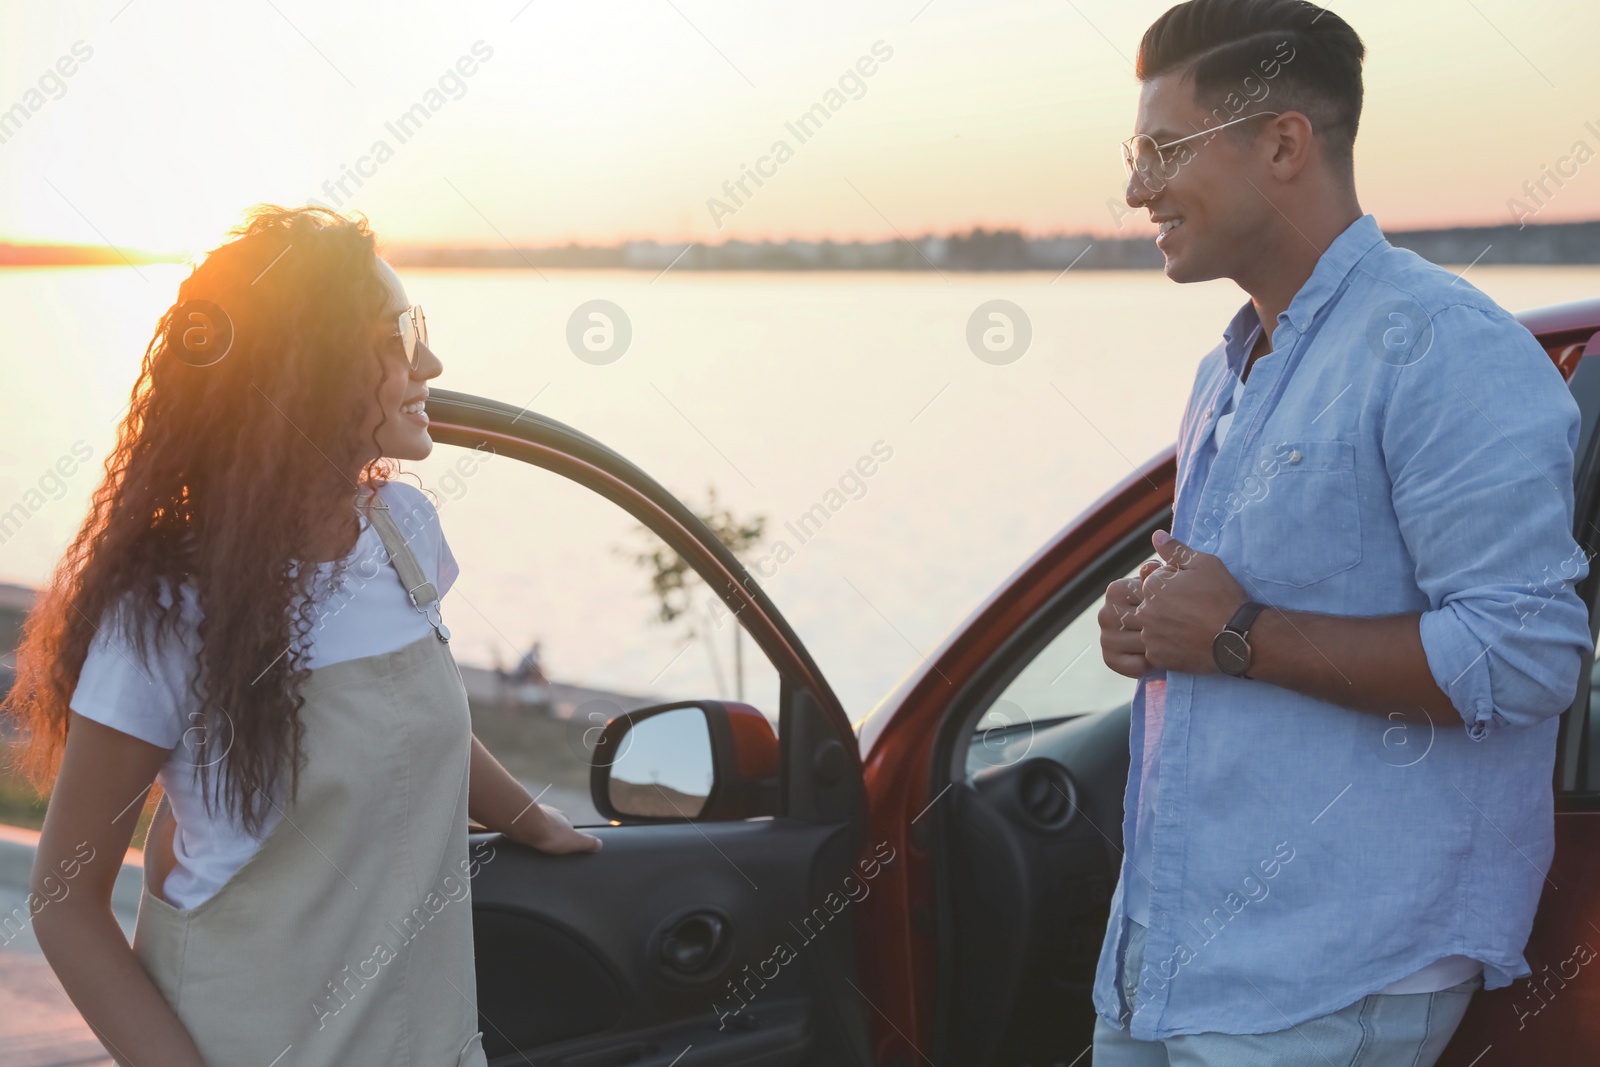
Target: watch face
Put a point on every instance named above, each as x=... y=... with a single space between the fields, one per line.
x=1231 y=651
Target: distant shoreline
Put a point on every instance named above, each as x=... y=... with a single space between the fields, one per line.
x=1547 y=244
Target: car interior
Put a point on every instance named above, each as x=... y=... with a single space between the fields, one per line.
x=1036 y=750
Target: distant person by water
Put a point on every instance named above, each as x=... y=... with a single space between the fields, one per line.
x=528 y=682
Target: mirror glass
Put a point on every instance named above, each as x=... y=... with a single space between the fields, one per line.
x=664 y=768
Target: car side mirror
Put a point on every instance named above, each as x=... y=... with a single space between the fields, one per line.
x=705 y=760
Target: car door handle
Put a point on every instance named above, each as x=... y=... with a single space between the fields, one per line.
x=693 y=942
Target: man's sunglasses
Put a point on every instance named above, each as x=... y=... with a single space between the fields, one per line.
x=1155 y=163
x=413 y=332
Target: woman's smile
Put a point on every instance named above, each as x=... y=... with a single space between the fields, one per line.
x=416 y=409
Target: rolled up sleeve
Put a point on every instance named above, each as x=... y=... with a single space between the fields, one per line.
x=1478 y=438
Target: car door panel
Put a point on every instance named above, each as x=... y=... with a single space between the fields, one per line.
x=1548 y=1016
x=570 y=949
x=1036 y=845
x=688 y=943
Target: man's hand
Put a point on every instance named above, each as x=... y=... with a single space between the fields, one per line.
x=1182 y=605
x=1121 y=645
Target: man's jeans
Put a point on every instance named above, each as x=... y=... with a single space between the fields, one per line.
x=1381 y=1030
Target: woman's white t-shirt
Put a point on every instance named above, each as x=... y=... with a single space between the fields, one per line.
x=367 y=614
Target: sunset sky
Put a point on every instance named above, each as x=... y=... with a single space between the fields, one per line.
x=603 y=122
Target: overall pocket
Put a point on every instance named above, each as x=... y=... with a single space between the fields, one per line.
x=1306 y=526
x=472 y=1052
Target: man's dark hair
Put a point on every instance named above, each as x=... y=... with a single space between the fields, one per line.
x=1236 y=49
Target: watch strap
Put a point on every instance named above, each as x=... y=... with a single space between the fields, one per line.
x=1245 y=616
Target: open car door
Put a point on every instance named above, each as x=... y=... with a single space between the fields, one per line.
x=716 y=925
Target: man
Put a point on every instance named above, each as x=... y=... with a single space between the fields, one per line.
x=1360 y=633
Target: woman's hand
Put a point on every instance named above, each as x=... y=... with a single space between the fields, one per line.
x=105 y=774
x=549 y=830
x=498 y=801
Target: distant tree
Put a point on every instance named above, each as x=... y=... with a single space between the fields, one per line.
x=674 y=583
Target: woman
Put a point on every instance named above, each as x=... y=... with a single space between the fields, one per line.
x=306 y=890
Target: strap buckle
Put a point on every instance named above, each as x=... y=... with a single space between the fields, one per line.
x=430 y=610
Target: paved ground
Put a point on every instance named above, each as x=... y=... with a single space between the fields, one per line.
x=39 y=1027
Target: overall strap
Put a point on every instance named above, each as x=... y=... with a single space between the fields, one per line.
x=421 y=592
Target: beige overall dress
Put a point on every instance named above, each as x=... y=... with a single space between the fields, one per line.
x=347 y=938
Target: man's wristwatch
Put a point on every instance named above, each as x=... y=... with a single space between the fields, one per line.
x=1230 y=648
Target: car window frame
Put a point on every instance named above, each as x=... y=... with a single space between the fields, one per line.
x=460 y=420
x=1076 y=596
x=1576 y=775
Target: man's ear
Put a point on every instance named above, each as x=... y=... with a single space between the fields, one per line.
x=1292 y=142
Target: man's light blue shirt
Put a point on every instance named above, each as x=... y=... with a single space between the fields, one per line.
x=1407 y=447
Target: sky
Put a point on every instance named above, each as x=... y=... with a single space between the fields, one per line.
x=542 y=123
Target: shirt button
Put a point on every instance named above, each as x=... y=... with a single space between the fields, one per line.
x=1294 y=456
x=1207 y=415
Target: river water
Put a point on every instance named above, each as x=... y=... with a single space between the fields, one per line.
x=771 y=387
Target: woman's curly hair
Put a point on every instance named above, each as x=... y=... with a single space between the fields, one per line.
x=224 y=469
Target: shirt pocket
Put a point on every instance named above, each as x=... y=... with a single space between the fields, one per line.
x=1306 y=527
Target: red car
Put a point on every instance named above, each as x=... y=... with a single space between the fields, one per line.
x=933 y=887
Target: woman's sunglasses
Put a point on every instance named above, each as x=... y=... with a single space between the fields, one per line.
x=413 y=332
